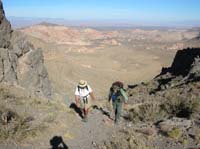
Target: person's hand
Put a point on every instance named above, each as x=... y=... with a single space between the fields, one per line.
x=61 y=140
x=125 y=106
x=92 y=96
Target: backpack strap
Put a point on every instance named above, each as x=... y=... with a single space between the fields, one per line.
x=79 y=88
x=87 y=88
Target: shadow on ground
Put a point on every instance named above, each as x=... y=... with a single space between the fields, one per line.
x=57 y=143
x=104 y=112
x=76 y=109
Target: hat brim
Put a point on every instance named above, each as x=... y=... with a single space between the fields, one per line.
x=82 y=85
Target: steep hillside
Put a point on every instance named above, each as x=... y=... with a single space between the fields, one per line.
x=164 y=113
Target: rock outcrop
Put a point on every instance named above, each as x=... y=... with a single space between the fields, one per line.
x=186 y=64
x=20 y=63
x=184 y=61
x=5 y=29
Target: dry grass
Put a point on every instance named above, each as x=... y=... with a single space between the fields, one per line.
x=146 y=112
x=16 y=127
x=127 y=140
x=181 y=107
x=181 y=102
x=22 y=118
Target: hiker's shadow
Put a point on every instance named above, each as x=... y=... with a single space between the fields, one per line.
x=57 y=143
x=104 y=112
x=76 y=109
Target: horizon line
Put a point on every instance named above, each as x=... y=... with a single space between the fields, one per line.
x=104 y=22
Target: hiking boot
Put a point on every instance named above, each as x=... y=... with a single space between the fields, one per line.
x=117 y=122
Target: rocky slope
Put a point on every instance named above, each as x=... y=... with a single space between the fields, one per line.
x=20 y=63
x=164 y=113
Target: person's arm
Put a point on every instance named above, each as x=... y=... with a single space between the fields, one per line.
x=109 y=97
x=123 y=93
x=63 y=143
x=91 y=93
x=92 y=96
x=77 y=97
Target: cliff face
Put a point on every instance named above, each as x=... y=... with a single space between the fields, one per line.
x=186 y=64
x=5 y=29
x=20 y=63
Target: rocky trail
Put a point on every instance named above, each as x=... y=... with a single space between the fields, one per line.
x=65 y=123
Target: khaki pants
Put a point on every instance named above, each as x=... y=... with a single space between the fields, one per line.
x=85 y=104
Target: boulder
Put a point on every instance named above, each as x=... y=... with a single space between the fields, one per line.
x=169 y=124
x=195 y=69
x=32 y=74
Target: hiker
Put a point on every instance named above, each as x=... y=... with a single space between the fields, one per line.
x=83 y=94
x=118 y=96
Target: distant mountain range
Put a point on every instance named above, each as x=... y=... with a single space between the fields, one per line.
x=20 y=22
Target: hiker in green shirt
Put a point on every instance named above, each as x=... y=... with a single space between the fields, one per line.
x=118 y=96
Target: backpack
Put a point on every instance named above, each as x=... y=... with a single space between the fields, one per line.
x=119 y=84
x=117 y=90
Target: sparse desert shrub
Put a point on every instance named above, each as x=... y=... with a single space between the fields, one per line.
x=184 y=140
x=175 y=133
x=197 y=135
x=170 y=108
x=130 y=142
x=146 y=112
x=183 y=108
x=16 y=127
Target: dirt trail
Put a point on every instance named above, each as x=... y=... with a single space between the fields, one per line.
x=84 y=135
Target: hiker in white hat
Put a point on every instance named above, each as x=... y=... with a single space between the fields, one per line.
x=83 y=95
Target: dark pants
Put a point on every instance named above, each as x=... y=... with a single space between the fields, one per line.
x=117 y=108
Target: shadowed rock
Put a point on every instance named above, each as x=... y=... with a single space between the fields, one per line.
x=183 y=62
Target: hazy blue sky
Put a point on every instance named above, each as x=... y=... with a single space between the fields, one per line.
x=150 y=10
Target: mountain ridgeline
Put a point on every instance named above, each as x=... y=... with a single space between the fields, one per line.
x=20 y=63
